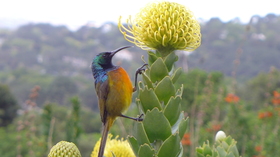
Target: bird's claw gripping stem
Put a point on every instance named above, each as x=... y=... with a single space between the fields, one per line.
x=138 y=119
x=138 y=71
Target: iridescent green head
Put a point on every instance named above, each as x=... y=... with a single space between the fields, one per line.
x=103 y=61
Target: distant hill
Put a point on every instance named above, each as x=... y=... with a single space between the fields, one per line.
x=246 y=49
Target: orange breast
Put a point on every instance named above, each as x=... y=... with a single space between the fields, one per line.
x=120 y=93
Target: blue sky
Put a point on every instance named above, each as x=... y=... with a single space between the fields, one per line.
x=75 y=13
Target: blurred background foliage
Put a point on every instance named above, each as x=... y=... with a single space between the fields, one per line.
x=231 y=82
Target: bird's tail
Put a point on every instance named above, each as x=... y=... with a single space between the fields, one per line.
x=106 y=129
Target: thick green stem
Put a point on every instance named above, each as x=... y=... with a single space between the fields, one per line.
x=164 y=123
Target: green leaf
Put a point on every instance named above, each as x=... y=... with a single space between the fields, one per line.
x=147 y=80
x=147 y=72
x=207 y=150
x=228 y=140
x=204 y=150
x=165 y=89
x=152 y=57
x=221 y=151
x=156 y=125
x=141 y=85
x=172 y=109
x=141 y=135
x=175 y=127
x=183 y=127
x=146 y=150
x=148 y=99
x=133 y=143
x=170 y=60
x=158 y=70
x=199 y=152
x=230 y=155
x=176 y=74
x=179 y=91
x=199 y=155
x=224 y=145
x=234 y=150
x=170 y=147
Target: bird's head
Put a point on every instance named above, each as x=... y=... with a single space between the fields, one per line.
x=104 y=59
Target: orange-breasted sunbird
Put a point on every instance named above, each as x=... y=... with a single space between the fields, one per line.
x=114 y=91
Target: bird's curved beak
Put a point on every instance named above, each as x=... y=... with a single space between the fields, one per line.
x=119 y=49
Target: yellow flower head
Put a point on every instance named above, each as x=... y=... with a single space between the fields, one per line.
x=114 y=147
x=64 y=149
x=164 y=26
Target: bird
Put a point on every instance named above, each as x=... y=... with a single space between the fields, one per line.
x=113 y=89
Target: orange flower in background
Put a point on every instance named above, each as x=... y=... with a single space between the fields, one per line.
x=186 y=139
x=231 y=98
x=258 y=148
x=214 y=128
x=266 y=114
x=276 y=98
x=276 y=94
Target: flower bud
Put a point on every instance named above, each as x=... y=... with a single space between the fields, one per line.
x=64 y=149
x=220 y=136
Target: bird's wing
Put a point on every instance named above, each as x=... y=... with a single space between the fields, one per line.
x=102 y=93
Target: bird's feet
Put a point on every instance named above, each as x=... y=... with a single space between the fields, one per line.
x=138 y=71
x=138 y=119
x=141 y=69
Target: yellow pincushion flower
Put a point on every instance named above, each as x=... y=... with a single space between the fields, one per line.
x=114 y=147
x=164 y=26
x=64 y=149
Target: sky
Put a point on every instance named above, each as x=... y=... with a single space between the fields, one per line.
x=75 y=13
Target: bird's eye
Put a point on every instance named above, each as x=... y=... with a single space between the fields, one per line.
x=106 y=55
